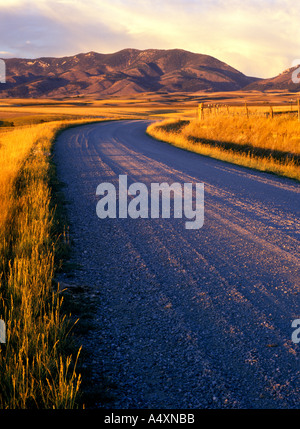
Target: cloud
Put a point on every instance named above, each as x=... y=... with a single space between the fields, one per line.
x=258 y=38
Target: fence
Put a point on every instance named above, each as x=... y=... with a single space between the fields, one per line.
x=207 y=110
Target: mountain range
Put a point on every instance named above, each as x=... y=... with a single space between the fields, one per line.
x=127 y=72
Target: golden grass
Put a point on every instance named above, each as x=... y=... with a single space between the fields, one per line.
x=262 y=143
x=35 y=372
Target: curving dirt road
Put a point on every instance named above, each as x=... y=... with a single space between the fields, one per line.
x=185 y=318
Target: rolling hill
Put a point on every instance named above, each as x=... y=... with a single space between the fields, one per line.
x=123 y=73
x=283 y=81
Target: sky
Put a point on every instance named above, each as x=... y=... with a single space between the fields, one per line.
x=258 y=37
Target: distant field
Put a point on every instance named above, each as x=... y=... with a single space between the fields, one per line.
x=23 y=112
x=150 y=105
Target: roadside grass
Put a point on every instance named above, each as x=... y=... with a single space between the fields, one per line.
x=271 y=145
x=37 y=369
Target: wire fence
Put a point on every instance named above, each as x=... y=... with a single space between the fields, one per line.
x=268 y=111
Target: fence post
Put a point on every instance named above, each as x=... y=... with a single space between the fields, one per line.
x=200 y=111
x=298 y=101
x=247 y=111
x=271 y=112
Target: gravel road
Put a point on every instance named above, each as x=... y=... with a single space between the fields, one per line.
x=185 y=318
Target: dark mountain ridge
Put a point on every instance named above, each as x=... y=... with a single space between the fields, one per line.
x=126 y=72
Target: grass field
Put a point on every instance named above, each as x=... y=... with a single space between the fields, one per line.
x=255 y=137
x=37 y=368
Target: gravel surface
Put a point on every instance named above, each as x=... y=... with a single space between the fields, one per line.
x=184 y=318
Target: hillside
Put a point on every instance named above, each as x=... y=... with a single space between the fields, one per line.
x=281 y=82
x=122 y=73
